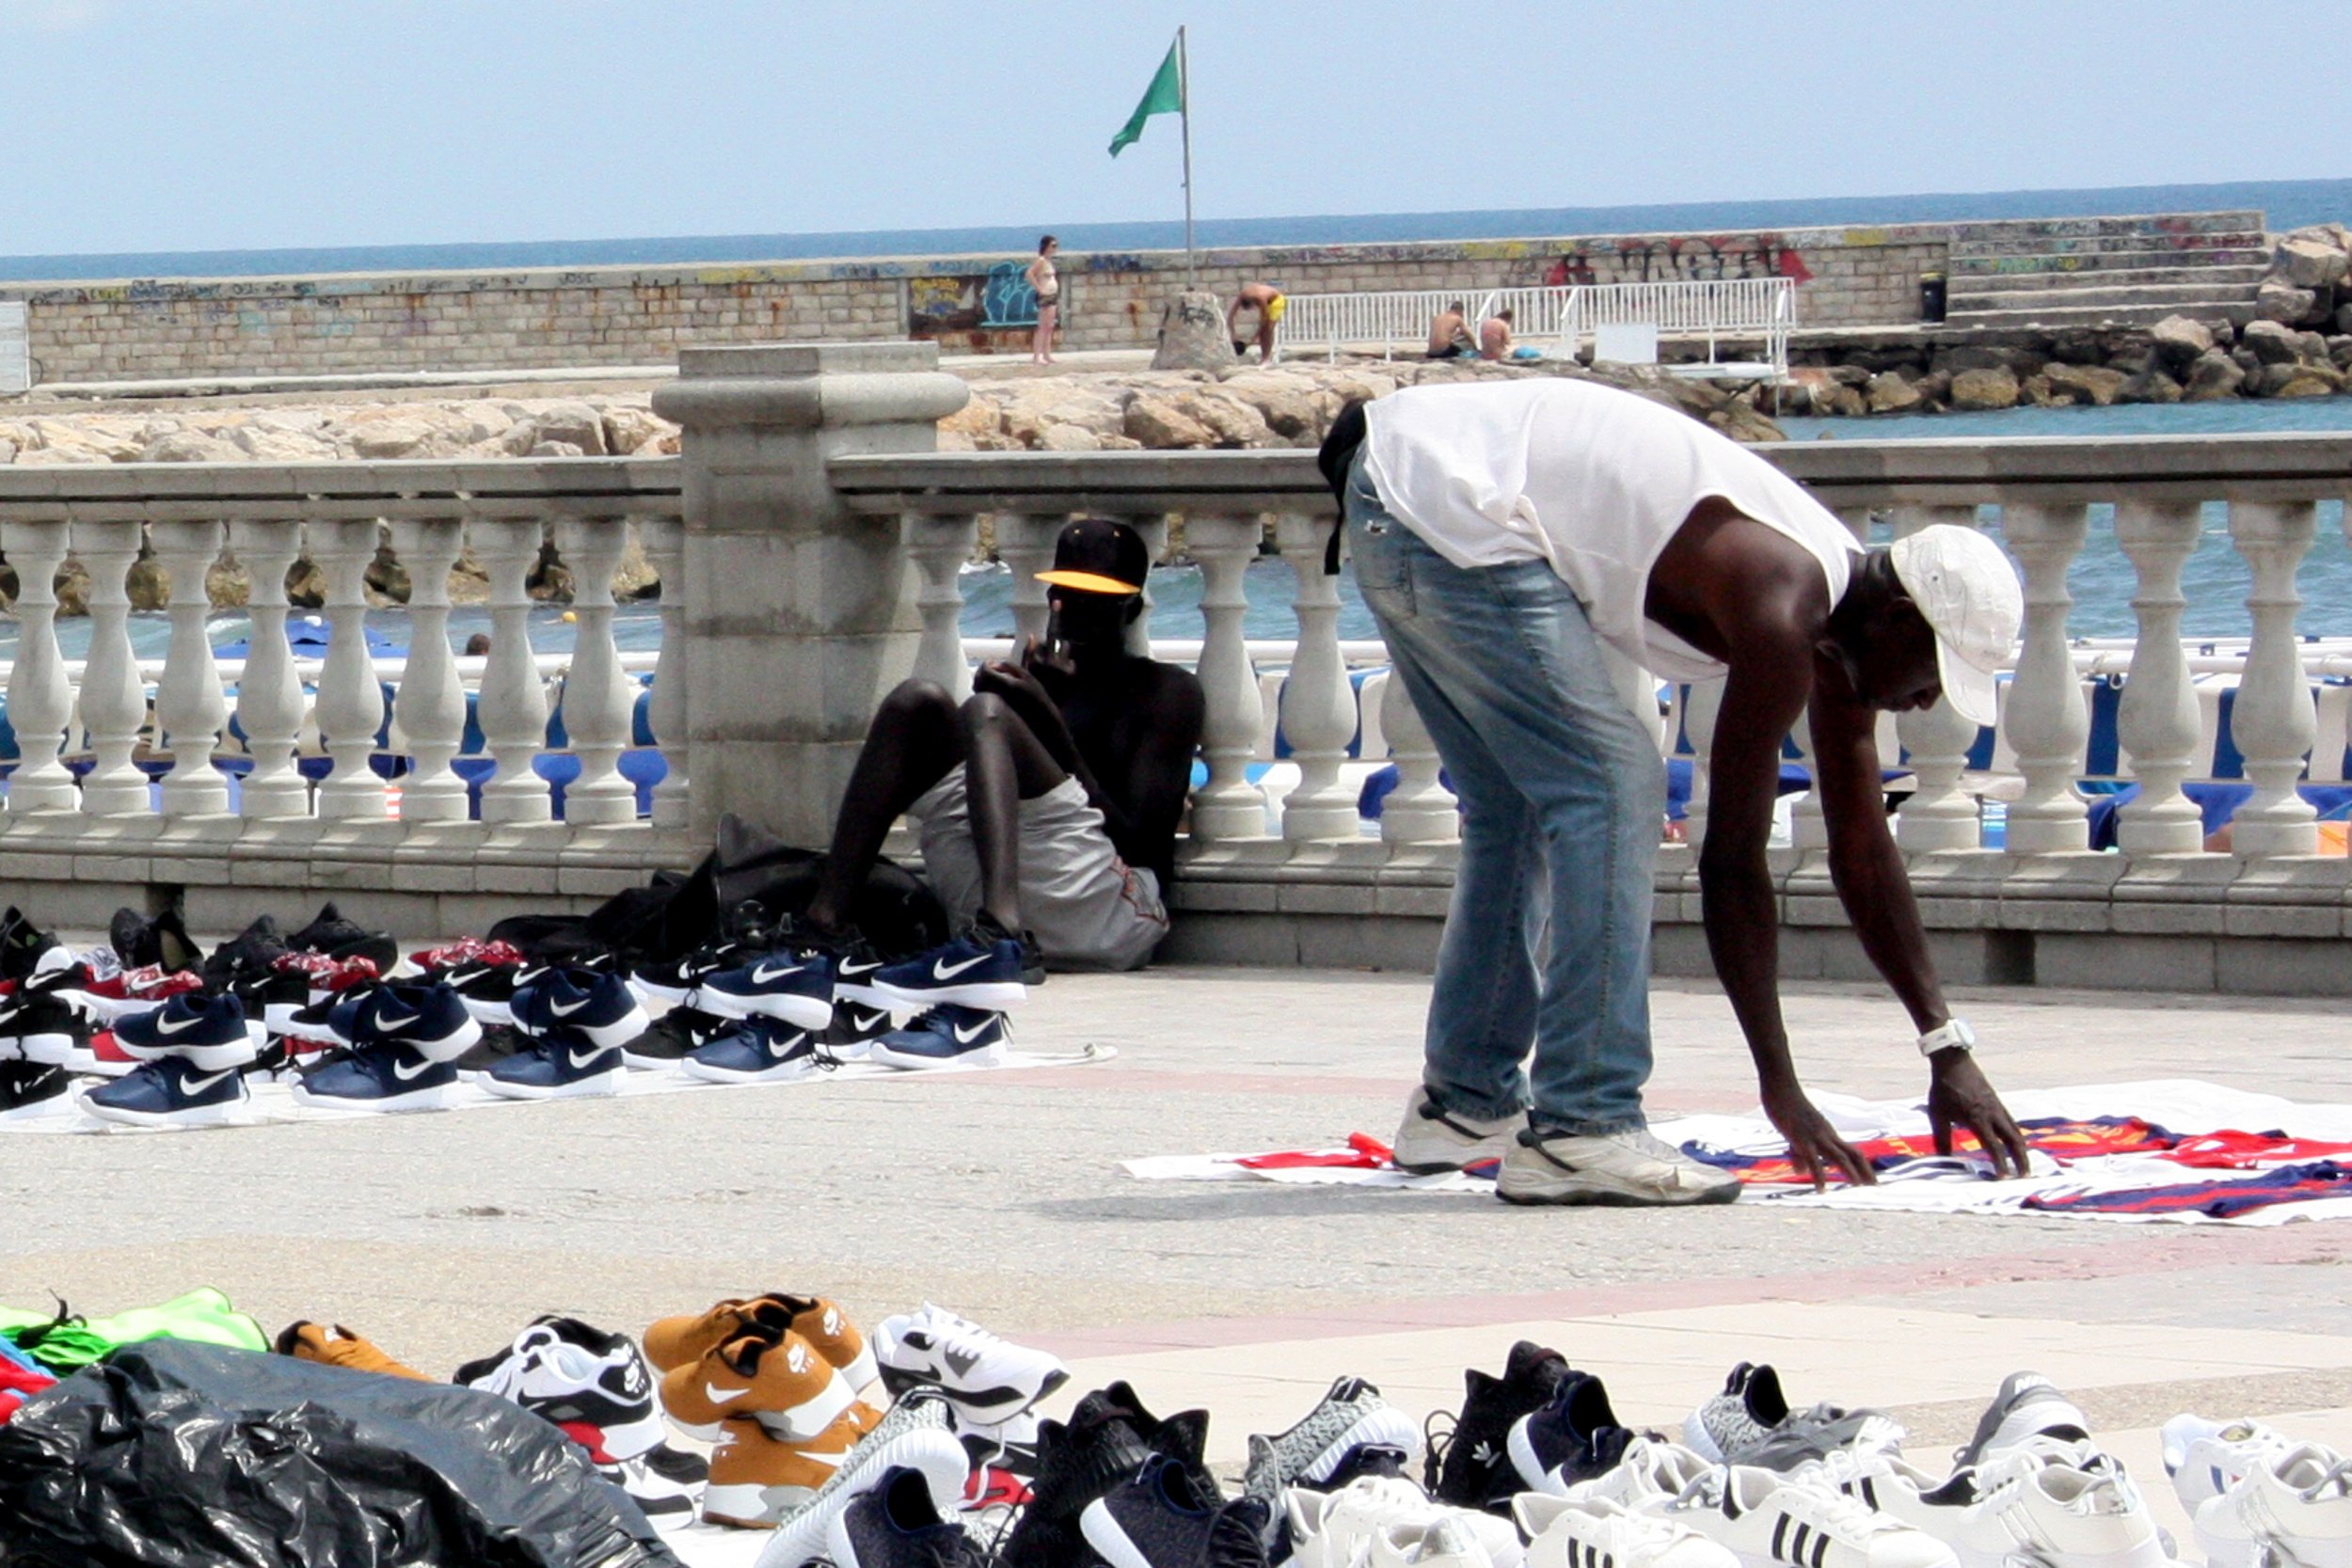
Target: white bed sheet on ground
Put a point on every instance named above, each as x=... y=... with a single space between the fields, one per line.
x=1959 y=1186
x=275 y=1102
x=700 y=1545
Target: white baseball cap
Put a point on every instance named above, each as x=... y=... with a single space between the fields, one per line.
x=1968 y=592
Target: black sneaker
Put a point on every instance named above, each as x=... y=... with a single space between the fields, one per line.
x=1464 y=1471
x=28 y=1087
x=1156 y=1517
x=896 y=1523
x=855 y=1028
x=25 y=948
x=161 y=941
x=674 y=1037
x=498 y=1042
x=37 y=1023
x=331 y=934
x=254 y=951
x=594 y=1385
x=1574 y=1437
x=1107 y=1442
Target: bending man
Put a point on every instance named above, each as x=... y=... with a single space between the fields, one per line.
x=1525 y=547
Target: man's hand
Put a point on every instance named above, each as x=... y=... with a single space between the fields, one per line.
x=1958 y=1096
x=1031 y=702
x=1814 y=1146
x=1049 y=661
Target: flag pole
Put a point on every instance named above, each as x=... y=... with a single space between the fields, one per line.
x=1183 y=114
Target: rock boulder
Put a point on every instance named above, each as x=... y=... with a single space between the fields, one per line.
x=2150 y=385
x=1992 y=388
x=1161 y=425
x=2309 y=262
x=2095 y=385
x=2272 y=342
x=2178 y=341
x=1192 y=334
x=1892 y=393
x=2214 y=377
x=2279 y=301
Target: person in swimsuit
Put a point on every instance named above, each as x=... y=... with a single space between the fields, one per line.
x=1047 y=283
x=1449 y=333
x=1268 y=302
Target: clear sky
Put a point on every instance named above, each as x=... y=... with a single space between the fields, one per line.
x=198 y=124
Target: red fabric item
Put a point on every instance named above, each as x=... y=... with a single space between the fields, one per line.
x=1363 y=1152
x=2229 y=1149
x=17 y=1384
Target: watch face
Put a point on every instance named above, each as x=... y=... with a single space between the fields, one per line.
x=1961 y=1035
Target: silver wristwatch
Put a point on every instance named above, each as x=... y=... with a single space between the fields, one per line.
x=1953 y=1035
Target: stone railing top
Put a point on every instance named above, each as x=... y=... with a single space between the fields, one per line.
x=2295 y=466
x=405 y=487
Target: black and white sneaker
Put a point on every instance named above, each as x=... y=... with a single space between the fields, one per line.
x=760 y=1051
x=37 y=1023
x=795 y=987
x=26 y=949
x=593 y=1384
x=331 y=934
x=580 y=1002
x=896 y=1523
x=170 y=1091
x=206 y=1032
x=1574 y=1437
x=1471 y=1469
x=986 y=1377
x=1750 y=1423
x=561 y=1064
x=2028 y=1405
x=1107 y=1442
x=662 y=1498
x=856 y=1025
x=676 y=1034
x=1351 y=1417
x=29 y=1089
x=1160 y=1519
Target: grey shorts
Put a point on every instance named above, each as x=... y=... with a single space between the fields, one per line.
x=1090 y=909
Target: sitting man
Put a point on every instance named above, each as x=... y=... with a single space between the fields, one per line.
x=1449 y=333
x=1047 y=802
x=1494 y=335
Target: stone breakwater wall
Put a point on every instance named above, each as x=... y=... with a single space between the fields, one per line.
x=167 y=329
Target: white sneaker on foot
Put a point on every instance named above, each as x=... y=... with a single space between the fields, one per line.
x=1432 y=1140
x=1628 y=1168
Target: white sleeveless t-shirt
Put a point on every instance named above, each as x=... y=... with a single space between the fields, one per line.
x=1589 y=479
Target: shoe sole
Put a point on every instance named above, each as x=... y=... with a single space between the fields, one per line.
x=32 y=1108
x=801 y=1012
x=437 y=1098
x=606 y=1081
x=649 y=1064
x=979 y=1055
x=195 y=1116
x=992 y=996
x=1602 y=1198
x=46 y=1050
x=82 y=1061
x=204 y=1058
x=783 y=1072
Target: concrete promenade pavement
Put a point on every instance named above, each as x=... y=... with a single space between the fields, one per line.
x=999 y=1194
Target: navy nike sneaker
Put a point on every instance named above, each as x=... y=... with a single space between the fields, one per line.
x=558 y=1065
x=206 y=1032
x=946 y=1036
x=170 y=1091
x=427 y=1018
x=387 y=1075
x=982 y=968
x=599 y=1007
x=795 y=987
x=760 y=1051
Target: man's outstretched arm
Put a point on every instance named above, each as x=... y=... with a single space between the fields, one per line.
x=1875 y=889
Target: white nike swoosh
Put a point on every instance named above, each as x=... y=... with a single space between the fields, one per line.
x=384 y=1028
x=580 y=1061
x=402 y=1071
x=978 y=1030
x=781 y=1048
x=721 y=1396
x=163 y=1027
x=762 y=973
x=854 y=969
x=943 y=969
x=562 y=1011
x=197 y=1086
x=832 y=1459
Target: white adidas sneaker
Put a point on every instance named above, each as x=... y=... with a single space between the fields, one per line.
x=1770 y=1520
x=1442 y=1542
x=2058 y=1505
x=2290 y=1508
x=1335 y=1530
x=2207 y=1458
x=1651 y=1474
x=1885 y=1480
x=1597 y=1532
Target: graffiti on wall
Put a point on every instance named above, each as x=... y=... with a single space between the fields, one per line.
x=971 y=301
x=1676 y=259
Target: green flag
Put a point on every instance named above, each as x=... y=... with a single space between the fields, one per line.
x=1164 y=96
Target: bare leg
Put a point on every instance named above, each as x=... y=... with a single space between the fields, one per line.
x=913 y=741
x=1041 y=345
x=1004 y=764
x=1266 y=341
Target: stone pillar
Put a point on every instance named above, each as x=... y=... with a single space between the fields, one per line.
x=798 y=613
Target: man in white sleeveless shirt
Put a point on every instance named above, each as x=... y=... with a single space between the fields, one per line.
x=1523 y=545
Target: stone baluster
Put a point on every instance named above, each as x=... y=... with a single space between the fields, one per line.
x=2273 y=720
x=1154 y=533
x=431 y=706
x=114 y=698
x=513 y=705
x=269 y=693
x=190 y=711
x=1808 y=827
x=1318 y=705
x=1703 y=700
x=939 y=546
x=1025 y=546
x=1939 y=815
x=1229 y=806
x=40 y=699
x=1420 y=810
x=2046 y=720
x=596 y=693
x=664 y=539
x=2157 y=722
x=350 y=702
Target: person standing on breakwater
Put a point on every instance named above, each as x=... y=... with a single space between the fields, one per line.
x=1046 y=284
x=1528 y=547
x=1267 y=301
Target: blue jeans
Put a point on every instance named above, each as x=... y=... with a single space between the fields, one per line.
x=1563 y=797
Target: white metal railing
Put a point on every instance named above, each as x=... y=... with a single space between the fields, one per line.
x=1745 y=310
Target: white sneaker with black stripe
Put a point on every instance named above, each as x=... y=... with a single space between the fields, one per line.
x=1599 y=1534
x=1770 y=1520
x=1432 y=1140
x=2059 y=1505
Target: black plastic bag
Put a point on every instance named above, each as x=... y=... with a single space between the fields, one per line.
x=169 y=1454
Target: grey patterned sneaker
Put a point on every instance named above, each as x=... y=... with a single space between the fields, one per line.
x=1352 y=1415
x=916 y=1435
x=1432 y=1140
x=1750 y=1423
x=1620 y=1169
